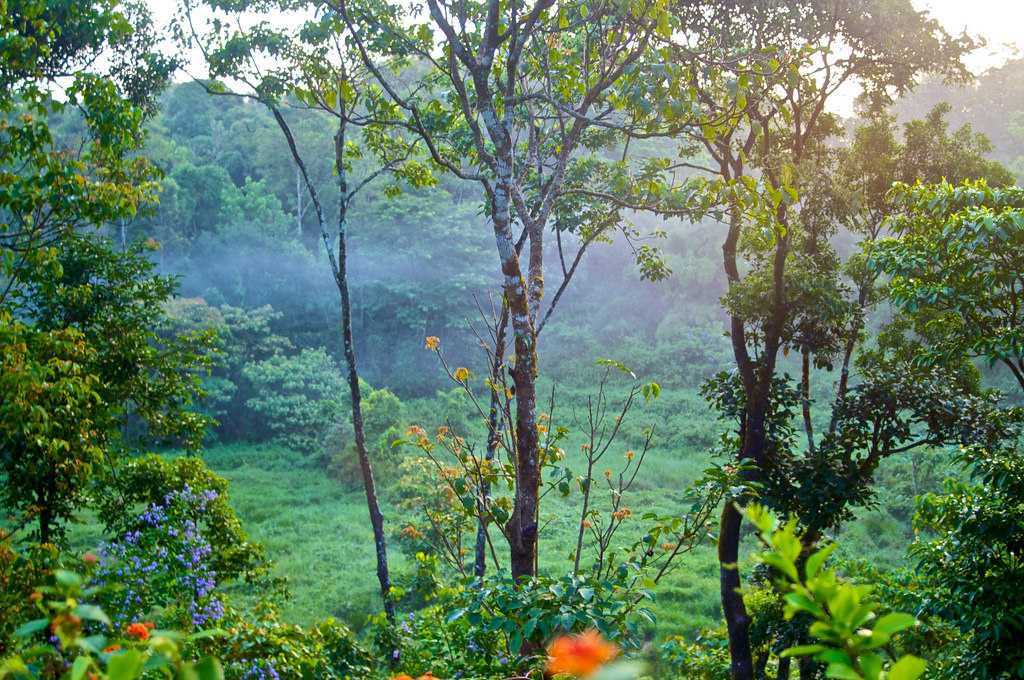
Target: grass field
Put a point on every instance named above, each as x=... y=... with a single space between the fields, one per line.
x=316 y=530
x=317 y=534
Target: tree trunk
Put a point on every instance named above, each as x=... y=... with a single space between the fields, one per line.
x=784 y=663
x=805 y=396
x=737 y=620
x=376 y=518
x=493 y=438
x=522 y=526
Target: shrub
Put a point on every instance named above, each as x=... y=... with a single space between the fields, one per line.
x=258 y=645
x=161 y=569
x=147 y=480
x=72 y=638
x=301 y=397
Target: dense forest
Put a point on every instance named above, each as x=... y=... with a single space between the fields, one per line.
x=510 y=339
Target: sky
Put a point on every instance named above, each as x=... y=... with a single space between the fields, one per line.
x=999 y=22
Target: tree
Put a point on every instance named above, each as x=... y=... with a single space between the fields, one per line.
x=775 y=69
x=53 y=426
x=956 y=263
x=542 y=101
x=317 y=70
x=62 y=410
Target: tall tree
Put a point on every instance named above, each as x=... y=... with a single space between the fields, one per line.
x=312 y=68
x=63 y=395
x=543 y=98
x=774 y=71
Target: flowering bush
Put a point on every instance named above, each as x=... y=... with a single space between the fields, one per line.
x=147 y=480
x=163 y=564
x=69 y=638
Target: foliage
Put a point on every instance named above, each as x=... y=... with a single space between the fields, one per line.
x=53 y=423
x=533 y=612
x=115 y=300
x=955 y=265
x=162 y=570
x=21 y=570
x=969 y=565
x=427 y=641
x=243 y=336
x=77 y=645
x=301 y=397
x=260 y=646
x=851 y=635
x=147 y=481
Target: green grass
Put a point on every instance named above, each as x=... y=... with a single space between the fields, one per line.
x=317 y=533
x=316 y=530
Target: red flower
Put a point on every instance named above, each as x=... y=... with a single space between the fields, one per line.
x=579 y=655
x=138 y=630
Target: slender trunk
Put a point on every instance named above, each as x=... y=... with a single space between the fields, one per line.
x=583 y=514
x=524 y=520
x=376 y=518
x=851 y=345
x=298 y=201
x=761 y=668
x=736 y=618
x=757 y=381
x=805 y=397
x=493 y=437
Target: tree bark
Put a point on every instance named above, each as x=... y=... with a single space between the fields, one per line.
x=493 y=437
x=735 y=611
x=805 y=396
x=372 y=504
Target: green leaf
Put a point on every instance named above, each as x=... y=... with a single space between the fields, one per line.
x=68 y=579
x=842 y=672
x=803 y=650
x=816 y=561
x=92 y=613
x=894 y=623
x=907 y=668
x=31 y=628
x=871 y=664
x=209 y=669
x=125 y=666
x=79 y=668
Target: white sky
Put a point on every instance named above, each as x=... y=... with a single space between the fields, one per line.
x=999 y=22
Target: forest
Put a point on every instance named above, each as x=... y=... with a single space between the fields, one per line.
x=509 y=340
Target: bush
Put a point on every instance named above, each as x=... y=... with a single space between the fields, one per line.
x=301 y=397
x=147 y=481
x=161 y=569
x=260 y=646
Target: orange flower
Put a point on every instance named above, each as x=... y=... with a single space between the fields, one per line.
x=403 y=676
x=149 y=624
x=579 y=655
x=90 y=558
x=427 y=676
x=111 y=649
x=138 y=630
